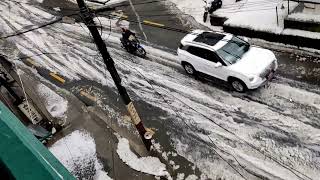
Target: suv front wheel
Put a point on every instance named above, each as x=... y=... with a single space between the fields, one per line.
x=238 y=85
x=189 y=69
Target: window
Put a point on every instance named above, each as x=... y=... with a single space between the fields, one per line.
x=194 y=50
x=209 y=55
x=233 y=50
x=209 y=38
x=203 y=53
x=184 y=47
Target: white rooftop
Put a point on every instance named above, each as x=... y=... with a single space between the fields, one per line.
x=218 y=39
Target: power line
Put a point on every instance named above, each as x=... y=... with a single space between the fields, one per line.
x=249 y=144
x=132 y=21
x=19 y=2
x=161 y=27
x=200 y=12
x=17 y=33
x=87 y=15
x=180 y=116
x=21 y=31
x=225 y=6
x=109 y=30
x=59 y=19
x=36 y=55
x=294 y=171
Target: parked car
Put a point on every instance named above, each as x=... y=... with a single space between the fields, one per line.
x=227 y=57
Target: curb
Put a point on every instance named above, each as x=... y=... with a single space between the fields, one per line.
x=279 y=38
x=301 y=25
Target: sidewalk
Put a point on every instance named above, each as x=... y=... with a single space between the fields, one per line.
x=299 y=41
x=252 y=18
x=80 y=118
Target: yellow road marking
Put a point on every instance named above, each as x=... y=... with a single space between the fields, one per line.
x=119 y=15
x=89 y=96
x=58 y=78
x=153 y=23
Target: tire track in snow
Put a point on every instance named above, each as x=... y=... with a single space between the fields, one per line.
x=269 y=128
x=168 y=86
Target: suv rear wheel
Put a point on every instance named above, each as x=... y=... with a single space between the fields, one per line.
x=238 y=85
x=189 y=69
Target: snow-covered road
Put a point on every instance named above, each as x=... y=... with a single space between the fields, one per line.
x=271 y=133
x=280 y=122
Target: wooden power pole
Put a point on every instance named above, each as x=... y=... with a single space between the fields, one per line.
x=88 y=19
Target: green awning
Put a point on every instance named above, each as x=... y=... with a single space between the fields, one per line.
x=24 y=156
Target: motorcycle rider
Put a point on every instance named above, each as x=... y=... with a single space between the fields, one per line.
x=209 y=4
x=128 y=37
x=213 y=5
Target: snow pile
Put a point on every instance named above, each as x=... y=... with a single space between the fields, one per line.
x=150 y=165
x=101 y=175
x=305 y=17
x=55 y=104
x=297 y=32
x=77 y=152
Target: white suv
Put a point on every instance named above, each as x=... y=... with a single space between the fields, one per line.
x=227 y=57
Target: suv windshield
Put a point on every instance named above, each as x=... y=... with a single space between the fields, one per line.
x=233 y=50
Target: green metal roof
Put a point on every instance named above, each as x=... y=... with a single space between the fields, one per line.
x=25 y=156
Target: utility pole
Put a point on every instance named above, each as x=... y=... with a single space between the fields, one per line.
x=277 y=16
x=88 y=19
x=288 y=7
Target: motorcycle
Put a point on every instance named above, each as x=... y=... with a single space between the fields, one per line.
x=216 y=4
x=134 y=47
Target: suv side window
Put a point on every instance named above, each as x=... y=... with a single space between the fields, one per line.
x=203 y=53
x=184 y=47
x=209 y=55
x=194 y=50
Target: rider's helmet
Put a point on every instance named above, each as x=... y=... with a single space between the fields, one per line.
x=124 y=29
